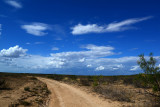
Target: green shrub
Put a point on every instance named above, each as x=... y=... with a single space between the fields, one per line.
x=95 y=84
x=95 y=81
x=151 y=74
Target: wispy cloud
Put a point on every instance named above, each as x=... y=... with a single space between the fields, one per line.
x=92 y=51
x=37 y=29
x=14 y=3
x=38 y=43
x=28 y=43
x=112 y=27
x=55 y=48
x=58 y=38
x=116 y=66
x=133 y=49
x=134 y=68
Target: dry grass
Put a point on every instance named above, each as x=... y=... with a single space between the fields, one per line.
x=115 y=94
x=127 y=89
x=24 y=91
x=3 y=84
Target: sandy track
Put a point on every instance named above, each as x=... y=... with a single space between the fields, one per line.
x=64 y=95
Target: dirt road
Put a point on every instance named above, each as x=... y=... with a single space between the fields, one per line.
x=64 y=95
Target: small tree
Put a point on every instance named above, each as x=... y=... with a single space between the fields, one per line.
x=151 y=74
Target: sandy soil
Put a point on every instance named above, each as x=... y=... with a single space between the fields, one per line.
x=64 y=95
x=17 y=96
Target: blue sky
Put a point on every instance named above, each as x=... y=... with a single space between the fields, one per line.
x=82 y=37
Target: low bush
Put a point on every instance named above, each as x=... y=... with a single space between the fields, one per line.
x=26 y=88
x=113 y=93
x=95 y=81
x=33 y=78
x=84 y=82
x=56 y=77
x=3 y=85
x=25 y=103
x=13 y=105
x=73 y=77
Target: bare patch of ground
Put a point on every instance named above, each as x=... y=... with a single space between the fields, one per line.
x=21 y=90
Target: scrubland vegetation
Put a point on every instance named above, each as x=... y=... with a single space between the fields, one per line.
x=17 y=90
x=128 y=89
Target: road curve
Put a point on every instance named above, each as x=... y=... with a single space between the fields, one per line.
x=64 y=95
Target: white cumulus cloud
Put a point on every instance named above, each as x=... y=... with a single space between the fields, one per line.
x=14 y=52
x=37 y=29
x=14 y=3
x=112 y=27
x=99 y=68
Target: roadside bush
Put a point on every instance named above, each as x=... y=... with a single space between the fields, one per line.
x=95 y=84
x=84 y=82
x=139 y=83
x=13 y=105
x=25 y=103
x=56 y=77
x=46 y=89
x=151 y=76
x=113 y=93
x=95 y=81
x=33 y=78
x=73 y=77
x=26 y=88
x=3 y=85
x=128 y=81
